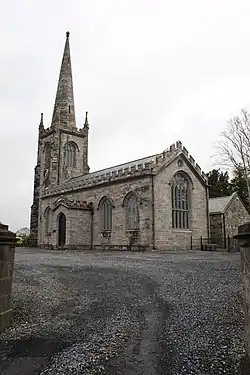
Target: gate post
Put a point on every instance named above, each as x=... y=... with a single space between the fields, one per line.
x=7 y=255
x=243 y=238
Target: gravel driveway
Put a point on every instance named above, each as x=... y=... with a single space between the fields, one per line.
x=124 y=314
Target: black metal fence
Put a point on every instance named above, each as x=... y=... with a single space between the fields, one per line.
x=204 y=243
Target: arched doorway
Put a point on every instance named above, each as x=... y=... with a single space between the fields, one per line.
x=61 y=229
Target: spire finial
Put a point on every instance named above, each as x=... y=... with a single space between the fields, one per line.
x=86 y=124
x=67 y=34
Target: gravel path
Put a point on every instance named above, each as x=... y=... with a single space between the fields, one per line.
x=124 y=314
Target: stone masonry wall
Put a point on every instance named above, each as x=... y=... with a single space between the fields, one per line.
x=166 y=237
x=7 y=254
x=216 y=229
x=34 y=214
x=78 y=229
x=81 y=140
x=235 y=216
x=245 y=267
x=117 y=193
x=116 y=183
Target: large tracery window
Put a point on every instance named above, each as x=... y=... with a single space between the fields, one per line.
x=132 y=211
x=48 y=220
x=106 y=214
x=180 y=202
x=70 y=150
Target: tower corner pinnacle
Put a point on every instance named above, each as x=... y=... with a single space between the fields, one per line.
x=86 y=123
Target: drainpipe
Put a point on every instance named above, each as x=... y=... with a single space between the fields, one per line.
x=153 y=209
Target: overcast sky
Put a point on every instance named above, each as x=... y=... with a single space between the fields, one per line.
x=149 y=72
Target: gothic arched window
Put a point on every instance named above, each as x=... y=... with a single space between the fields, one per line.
x=106 y=213
x=48 y=220
x=70 y=150
x=131 y=204
x=180 y=195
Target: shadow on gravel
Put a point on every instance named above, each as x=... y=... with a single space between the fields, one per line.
x=245 y=366
x=14 y=352
x=36 y=347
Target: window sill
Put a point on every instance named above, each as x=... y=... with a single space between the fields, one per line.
x=181 y=230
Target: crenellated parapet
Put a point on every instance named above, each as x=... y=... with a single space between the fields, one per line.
x=81 y=132
x=191 y=160
x=137 y=168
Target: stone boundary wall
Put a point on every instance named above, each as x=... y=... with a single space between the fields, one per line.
x=245 y=267
x=243 y=238
x=138 y=168
x=7 y=255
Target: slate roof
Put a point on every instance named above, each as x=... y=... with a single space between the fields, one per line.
x=217 y=205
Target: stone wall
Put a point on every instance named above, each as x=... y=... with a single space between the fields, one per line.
x=159 y=198
x=7 y=254
x=245 y=266
x=167 y=238
x=217 y=229
x=34 y=214
x=235 y=215
x=79 y=227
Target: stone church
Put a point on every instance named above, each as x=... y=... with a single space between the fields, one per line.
x=158 y=202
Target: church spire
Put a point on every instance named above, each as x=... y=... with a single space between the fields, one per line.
x=64 y=108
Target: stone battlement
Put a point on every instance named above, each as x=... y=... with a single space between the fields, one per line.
x=191 y=160
x=135 y=168
x=74 y=131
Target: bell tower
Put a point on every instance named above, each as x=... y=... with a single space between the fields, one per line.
x=62 y=147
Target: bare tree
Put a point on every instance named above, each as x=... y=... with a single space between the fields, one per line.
x=234 y=148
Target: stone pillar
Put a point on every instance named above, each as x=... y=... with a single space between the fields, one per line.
x=7 y=255
x=243 y=237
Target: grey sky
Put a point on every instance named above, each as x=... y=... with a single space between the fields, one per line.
x=149 y=72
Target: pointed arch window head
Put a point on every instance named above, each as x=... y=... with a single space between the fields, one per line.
x=131 y=204
x=48 y=220
x=70 y=151
x=106 y=213
x=180 y=195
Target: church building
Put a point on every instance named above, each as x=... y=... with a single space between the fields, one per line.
x=159 y=202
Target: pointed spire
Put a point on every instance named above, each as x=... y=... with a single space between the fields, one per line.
x=64 y=108
x=86 y=123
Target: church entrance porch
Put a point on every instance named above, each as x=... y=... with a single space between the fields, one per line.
x=61 y=229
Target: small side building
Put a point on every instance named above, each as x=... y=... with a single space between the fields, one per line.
x=226 y=215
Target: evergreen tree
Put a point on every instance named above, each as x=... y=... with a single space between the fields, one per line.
x=219 y=185
x=239 y=184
